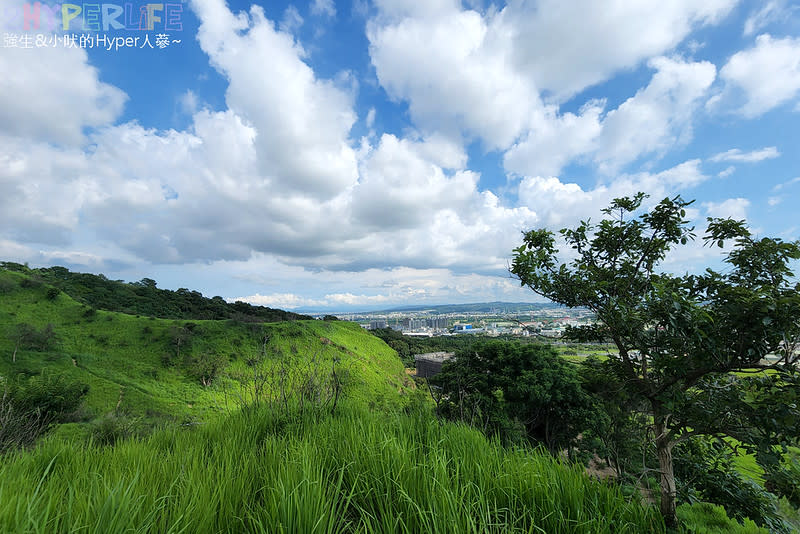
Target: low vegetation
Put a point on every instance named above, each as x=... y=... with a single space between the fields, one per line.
x=354 y=471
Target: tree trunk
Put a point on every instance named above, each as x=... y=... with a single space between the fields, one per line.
x=664 y=451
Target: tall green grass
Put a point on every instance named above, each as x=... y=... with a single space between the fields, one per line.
x=355 y=471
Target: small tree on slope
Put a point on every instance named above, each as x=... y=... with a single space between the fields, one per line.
x=679 y=338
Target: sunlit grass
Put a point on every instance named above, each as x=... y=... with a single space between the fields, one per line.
x=356 y=471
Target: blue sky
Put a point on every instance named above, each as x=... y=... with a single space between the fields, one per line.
x=352 y=155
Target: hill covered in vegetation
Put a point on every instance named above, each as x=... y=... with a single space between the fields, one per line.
x=145 y=298
x=179 y=370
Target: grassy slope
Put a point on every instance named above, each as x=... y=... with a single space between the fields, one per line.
x=120 y=356
x=356 y=471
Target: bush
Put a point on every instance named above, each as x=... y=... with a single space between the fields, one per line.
x=510 y=389
x=31 y=283
x=205 y=367
x=28 y=407
x=707 y=518
x=707 y=470
x=113 y=428
x=7 y=286
x=785 y=481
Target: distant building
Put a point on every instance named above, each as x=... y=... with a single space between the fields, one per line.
x=413 y=324
x=430 y=364
x=376 y=325
x=436 y=323
x=466 y=329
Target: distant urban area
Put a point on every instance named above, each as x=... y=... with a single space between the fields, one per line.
x=493 y=319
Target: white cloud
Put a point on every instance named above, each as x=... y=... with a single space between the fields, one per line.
x=380 y=288
x=292 y=20
x=370 y=120
x=454 y=69
x=774 y=201
x=276 y=172
x=54 y=96
x=727 y=172
x=562 y=204
x=285 y=301
x=753 y=156
x=188 y=102
x=658 y=117
x=323 y=7
x=786 y=184
x=303 y=122
x=460 y=70
x=546 y=149
x=568 y=46
x=771 y=11
x=735 y=208
x=767 y=75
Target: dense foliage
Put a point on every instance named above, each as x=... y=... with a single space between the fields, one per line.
x=408 y=346
x=144 y=298
x=680 y=339
x=501 y=386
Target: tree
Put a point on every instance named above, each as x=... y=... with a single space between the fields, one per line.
x=678 y=338
x=504 y=386
x=26 y=336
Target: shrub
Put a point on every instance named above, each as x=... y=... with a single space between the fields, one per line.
x=707 y=470
x=785 y=481
x=205 y=367
x=31 y=283
x=7 y=286
x=707 y=518
x=28 y=407
x=113 y=428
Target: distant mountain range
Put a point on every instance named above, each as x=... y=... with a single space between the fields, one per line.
x=478 y=307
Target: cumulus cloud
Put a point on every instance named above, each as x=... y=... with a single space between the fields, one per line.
x=735 y=208
x=303 y=122
x=276 y=172
x=559 y=204
x=54 y=97
x=597 y=39
x=454 y=69
x=658 y=117
x=766 y=75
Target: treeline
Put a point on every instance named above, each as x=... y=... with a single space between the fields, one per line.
x=144 y=298
x=407 y=346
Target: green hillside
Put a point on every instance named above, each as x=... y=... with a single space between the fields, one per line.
x=155 y=368
x=144 y=298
